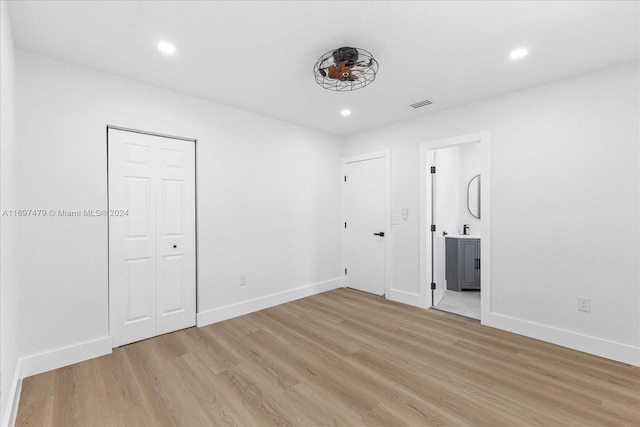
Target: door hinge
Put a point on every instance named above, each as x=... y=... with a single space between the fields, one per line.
x=433 y=169
x=433 y=227
x=433 y=285
x=345 y=271
x=345 y=225
x=345 y=178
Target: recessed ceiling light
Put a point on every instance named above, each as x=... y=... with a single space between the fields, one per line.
x=518 y=53
x=345 y=112
x=166 y=47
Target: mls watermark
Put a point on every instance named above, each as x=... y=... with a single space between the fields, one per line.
x=64 y=213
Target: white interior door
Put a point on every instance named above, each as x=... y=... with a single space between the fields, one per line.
x=176 y=272
x=439 y=212
x=445 y=211
x=152 y=287
x=364 y=208
x=132 y=238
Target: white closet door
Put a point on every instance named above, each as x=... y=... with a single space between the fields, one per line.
x=151 y=235
x=176 y=246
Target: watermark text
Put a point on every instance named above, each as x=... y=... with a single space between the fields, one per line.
x=64 y=213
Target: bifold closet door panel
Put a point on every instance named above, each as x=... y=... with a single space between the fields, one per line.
x=176 y=283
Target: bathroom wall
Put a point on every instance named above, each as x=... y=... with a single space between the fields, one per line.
x=455 y=168
x=469 y=167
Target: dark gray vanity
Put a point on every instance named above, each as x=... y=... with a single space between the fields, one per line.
x=462 y=263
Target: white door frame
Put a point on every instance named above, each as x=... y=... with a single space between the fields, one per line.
x=195 y=159
x=386 y=155
x=426 y=148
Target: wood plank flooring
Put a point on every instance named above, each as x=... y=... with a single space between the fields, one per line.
x=341 y=358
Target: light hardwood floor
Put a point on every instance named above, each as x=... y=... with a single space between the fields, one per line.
x=339 y=358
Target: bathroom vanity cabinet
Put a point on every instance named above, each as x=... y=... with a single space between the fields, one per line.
x=462 y=260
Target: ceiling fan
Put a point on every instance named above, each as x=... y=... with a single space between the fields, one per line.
x=345 y=69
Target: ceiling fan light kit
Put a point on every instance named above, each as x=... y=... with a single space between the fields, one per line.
x=345 y=69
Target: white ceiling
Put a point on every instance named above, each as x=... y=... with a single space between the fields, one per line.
x=258 y=56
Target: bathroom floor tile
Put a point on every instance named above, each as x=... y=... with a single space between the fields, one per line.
x=466 y=303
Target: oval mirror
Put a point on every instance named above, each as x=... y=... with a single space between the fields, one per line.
x=473 y=196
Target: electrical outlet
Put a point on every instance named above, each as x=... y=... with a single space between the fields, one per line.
x=243 y=279
x=584 y=304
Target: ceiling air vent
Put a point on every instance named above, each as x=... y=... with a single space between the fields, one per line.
x=421 y=103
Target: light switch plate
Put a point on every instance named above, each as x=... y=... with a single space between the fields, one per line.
x=395 y=219
x=584 y=304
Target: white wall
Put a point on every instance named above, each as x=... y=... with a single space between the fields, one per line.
x=8 y=226
x=565 y=205
x=469 y=167
x=268 y=198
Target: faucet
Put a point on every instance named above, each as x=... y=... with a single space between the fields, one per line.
x=465 y=228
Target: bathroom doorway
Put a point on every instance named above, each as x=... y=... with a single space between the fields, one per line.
x=455 y=199
x=455 y=225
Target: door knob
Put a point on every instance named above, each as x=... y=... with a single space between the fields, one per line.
x=381 y=234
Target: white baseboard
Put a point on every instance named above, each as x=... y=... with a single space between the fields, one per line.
x=43 y=362
x=600 y=347
x=404 y=297
x=9 y=419
x=245 y=307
